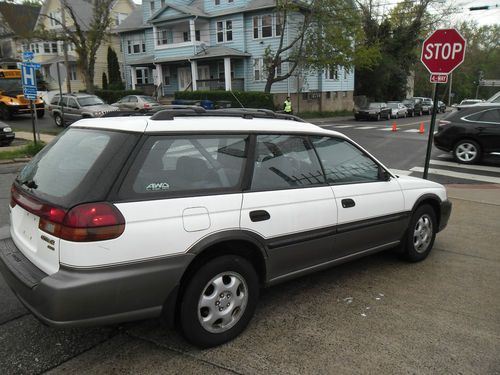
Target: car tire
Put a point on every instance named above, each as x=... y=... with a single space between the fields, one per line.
x=6 y=143
x=40 y=113
x=230 y=280
x=467 y=151
x=421 y=234
x=378 y=117
x=5 y=113
x=420 y=113
x=58 y=120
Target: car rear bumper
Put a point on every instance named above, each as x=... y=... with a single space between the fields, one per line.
x=84 y=297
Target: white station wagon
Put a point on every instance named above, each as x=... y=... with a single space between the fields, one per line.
x=186 y=214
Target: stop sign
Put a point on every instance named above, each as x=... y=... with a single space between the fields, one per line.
x=443 y=51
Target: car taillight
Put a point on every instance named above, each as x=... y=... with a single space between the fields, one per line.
x=86 y=222
x=146 y=105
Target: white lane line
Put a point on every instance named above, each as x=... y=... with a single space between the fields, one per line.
x=400 y=172
x=465 y=176
x=365 y=127
x=466 y=166
x=411 y=131
x=385 y=129
x=342 y=126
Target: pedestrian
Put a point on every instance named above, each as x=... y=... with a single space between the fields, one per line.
x=287 y=106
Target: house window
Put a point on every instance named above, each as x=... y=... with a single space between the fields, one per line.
x=162 y=3
x=217 y=2
x=152 y=6
x=258 y=65
x=187 y=35
x=166 y=75
x=35 y=47
x=136 y=46
x=46 y=47
x=119 y=18
x=346 y=73
x=163 y=36
x=141 y=75
x=332 y=73
x=266 y=26
x=224 y=31
x=72 y=73
x=53 y=47
x=221 y=71
x=278 y=69
x=55 y=18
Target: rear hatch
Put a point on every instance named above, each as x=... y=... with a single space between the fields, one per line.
x=80 y=166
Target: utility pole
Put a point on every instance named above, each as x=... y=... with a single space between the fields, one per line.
x=479 y=79
x=65 y=51
x=449 y=92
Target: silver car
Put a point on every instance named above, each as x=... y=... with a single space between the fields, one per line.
x=73 y=107
x=136 y=102
x=398 y=109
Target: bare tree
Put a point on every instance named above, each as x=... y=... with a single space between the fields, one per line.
x=86 y=35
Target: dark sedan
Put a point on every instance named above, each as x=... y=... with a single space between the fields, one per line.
x=414 y=106
x=470 y=133
x=373 y=111
x=6 y=134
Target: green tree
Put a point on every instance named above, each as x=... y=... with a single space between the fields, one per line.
x=315 y=35
x=115 y=79
x=86 y=38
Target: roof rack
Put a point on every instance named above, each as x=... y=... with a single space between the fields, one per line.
x=246 y=113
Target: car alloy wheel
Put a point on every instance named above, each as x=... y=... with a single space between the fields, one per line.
x=58 y=120
x=218 y=301
x=420 y=234
x=467 y=152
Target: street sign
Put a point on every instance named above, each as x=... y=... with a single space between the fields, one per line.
x=489 y=82
x=439 y=78
x=28 y=76
x=27 y=56
x=443 y=51
x=29 y=92
x=32 y=65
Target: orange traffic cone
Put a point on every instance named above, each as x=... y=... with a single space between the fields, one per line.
x=394 y=127
x=422 y=129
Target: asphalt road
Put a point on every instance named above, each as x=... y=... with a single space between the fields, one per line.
x=375 y=315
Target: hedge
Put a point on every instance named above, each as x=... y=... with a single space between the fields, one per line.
x=112 y=96
x=249 y=99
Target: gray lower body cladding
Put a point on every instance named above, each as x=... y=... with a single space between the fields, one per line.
x=84 y=297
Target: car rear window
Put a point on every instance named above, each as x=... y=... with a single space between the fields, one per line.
x=79 y=166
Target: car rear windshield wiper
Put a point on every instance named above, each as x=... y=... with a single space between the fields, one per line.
x=31 y=184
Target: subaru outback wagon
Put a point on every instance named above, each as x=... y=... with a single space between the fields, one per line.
x=187 y=214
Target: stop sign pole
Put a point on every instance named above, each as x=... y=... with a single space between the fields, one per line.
x=442 y=52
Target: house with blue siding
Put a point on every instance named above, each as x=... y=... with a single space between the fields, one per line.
x=178 y=45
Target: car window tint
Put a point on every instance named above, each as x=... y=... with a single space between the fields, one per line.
x=186 y=163
x=343 y=162
x=72 y=103
x=285 y=161
x=492 y=115
x=132 y=99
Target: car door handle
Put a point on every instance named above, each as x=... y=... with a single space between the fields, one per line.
x=259 y=215
x=346 y=203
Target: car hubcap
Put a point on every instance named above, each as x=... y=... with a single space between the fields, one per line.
x=422 y=234
x=466 y=152
x=222 y=302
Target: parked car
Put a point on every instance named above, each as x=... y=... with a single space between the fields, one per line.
x=136 y=102
x=470 y=102
x=373 y=111
x=414 y=106
x=441 y=107
x=470 y=133
x=187 y=213
x=6 y=134
x=494 y=98
x=73 y=107
x=398 y=109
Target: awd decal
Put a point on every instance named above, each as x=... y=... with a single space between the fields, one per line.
x=158 y=186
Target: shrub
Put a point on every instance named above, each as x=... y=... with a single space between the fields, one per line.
x=249 y=99
x=111 y=96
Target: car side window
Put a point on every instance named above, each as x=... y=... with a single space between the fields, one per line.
x=72 y=103
x=283 y=162
x=492 y=116
x=343 y=162
x=132 y=99
x=173 y=164
x=64 y=101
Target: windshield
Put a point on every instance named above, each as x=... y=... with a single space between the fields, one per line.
x=374 y=105
x=149 y=99
x=408 y=101
x=89 y=100
x=392 y=105
x=7 y=85
x=470 y=101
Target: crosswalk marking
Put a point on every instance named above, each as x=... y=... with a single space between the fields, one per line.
x=343 y=126
x=385 y=129
x=400 y=172
x=365 y=127
x=411 y=131
x=465 y=176
x=465 y=166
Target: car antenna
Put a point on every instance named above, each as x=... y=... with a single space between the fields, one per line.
x=232 y=93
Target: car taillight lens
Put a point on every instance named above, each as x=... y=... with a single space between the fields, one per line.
x=146 y=105
x=83 y=223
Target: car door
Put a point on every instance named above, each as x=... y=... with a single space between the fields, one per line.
x=72 y=110
x=370 y=204
x=288 y=204
x=488 y=127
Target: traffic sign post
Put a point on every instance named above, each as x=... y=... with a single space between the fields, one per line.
x=28 y=74
x=442 y=52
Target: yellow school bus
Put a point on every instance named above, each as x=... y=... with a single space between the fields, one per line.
x=12 y=100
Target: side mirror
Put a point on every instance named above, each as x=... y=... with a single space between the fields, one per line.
x=383 y=175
